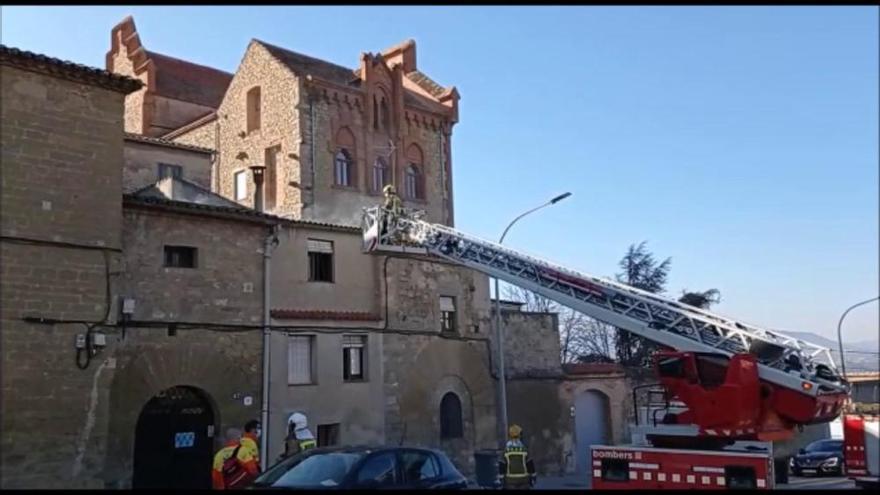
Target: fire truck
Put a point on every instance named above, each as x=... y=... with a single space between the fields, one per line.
x=861 y=442
x=726 y=389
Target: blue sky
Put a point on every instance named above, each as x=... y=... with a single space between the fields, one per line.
x=740 y=141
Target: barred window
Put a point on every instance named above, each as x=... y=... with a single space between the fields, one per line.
x=447 y=314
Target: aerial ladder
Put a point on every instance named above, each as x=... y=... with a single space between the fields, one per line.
x=732 y=381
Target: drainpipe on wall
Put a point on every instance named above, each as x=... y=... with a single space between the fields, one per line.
x=270 y=241
x=312 y=145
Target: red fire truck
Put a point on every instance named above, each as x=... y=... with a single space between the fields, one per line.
x=861 y=441
x=722 y=381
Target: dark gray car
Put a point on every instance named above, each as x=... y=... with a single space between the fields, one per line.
x=363 y=468
x=820 y=457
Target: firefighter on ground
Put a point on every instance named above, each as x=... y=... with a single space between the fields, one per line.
x=516 y=469
x=299 y=438
x=234 y=466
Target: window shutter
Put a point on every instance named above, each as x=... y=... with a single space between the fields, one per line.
x=316 y=246
x=299 y=365
x=447 y=304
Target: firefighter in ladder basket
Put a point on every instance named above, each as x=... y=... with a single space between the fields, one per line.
x=393 y=210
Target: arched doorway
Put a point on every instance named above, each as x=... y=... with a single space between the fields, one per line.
x=174 y=440
x=592 y=426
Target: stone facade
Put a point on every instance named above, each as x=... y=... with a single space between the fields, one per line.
x=61 y=216
x=143 y=156
x=224 y=288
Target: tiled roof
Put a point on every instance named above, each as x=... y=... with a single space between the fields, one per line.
x=303 y=64
x=186 y=81
x=246 y=214
x=35 y=62
x=426 y=83
x=195 y=124
x=164 y=142
x=297 y=314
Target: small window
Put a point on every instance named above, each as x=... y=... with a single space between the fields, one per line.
x=342 y=168
x=170 y=170
x=320 y=261
x=447 y=314
x=381 y=175
x=450 y=417
x=353 y=357
x=180 y=256
x=418 y=466
x=615 y=470
x=241 y=182
x=378 y=471
x=328 y=435
x=299 y=359
x=253 y=109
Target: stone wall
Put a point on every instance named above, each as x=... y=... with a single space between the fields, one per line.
x=204 y=136
x=61 y=153
x=142 y=164
x=239 y=149
x=531 y=343
x=225 y=288
x=134 y=102
x=419 y=371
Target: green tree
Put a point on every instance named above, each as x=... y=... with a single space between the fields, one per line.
x=640 y=270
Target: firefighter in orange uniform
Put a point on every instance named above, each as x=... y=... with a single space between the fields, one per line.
x=234 y=464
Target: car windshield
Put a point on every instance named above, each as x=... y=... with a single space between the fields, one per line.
x=324 y=470
x=825 y=446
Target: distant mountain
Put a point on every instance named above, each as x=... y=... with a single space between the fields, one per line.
x=854 y=361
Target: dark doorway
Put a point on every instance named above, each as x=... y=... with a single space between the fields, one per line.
x=174 y=441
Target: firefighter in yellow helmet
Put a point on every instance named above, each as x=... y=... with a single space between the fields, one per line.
x=517 y=469
x=392 y=201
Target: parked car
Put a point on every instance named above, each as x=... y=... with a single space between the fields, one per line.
x=819 y=457
x=363 y=467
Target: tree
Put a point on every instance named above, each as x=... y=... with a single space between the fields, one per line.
x=640 y=270
x=702 y=300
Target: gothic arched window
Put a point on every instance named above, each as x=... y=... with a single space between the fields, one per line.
x=450 y=417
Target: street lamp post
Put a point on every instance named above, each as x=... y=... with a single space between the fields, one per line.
x=840 y=340
x=498 y=334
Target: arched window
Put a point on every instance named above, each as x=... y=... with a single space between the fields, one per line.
x=384 y=115
x=412 y=182
x=343 y=161
x=343 y=167
x=450 y=417
x=381 y=175
x=253 y=109
x=413 y=179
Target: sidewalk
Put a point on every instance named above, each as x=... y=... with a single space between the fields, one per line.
x=567 y=482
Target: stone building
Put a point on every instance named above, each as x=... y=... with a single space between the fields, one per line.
x=73 y=247
x=147 y=160
x=61 y=215
x=330 y=138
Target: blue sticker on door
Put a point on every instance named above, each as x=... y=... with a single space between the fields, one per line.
x=184 y=439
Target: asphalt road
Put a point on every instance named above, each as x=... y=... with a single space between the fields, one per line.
x=817 y=483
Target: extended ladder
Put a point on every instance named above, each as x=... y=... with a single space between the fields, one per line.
x=784 y=360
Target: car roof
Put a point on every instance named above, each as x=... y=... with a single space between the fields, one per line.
x=363 y=449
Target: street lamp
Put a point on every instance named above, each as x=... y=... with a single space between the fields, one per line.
x=840 y=340
x=498 y=334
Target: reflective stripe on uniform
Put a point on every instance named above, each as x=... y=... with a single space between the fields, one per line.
x=516 y=463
